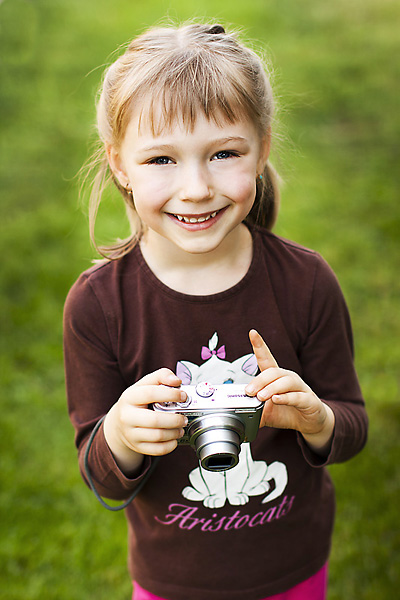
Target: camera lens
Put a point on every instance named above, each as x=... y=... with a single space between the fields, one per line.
x=216 y=439
x=220 y=451
x=219 y=462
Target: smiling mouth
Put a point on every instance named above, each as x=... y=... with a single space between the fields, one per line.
x=199 y=219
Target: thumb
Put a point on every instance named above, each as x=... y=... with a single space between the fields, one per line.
x=265 y=359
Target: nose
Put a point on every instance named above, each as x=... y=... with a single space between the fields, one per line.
x=195 y=183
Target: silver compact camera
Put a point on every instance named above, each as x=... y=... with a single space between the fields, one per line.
x=220 y=417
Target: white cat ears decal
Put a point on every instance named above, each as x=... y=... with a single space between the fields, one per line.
x=215 y=368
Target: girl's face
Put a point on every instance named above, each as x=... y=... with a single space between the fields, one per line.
x=191 y=188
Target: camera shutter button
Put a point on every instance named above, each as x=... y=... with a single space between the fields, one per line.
x=205 y=390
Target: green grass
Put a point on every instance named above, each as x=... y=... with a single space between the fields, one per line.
x=337 y=72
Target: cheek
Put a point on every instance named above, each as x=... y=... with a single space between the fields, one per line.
x=149 y=195
x=243 y=188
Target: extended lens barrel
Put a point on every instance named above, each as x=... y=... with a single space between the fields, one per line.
x=216 y=439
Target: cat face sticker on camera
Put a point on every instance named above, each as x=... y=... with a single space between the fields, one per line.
x=249 y=477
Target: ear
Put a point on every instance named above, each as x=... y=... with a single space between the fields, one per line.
x=265 y=147
x=186 y=371
x=117 y=165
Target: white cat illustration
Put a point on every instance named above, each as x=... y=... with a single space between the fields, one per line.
x=249 y=477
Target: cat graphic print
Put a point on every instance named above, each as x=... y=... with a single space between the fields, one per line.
x=248 y=477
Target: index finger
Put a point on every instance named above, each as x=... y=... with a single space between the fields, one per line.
x=263 y=354
x=162 y=376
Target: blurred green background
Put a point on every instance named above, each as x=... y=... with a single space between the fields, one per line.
x=337 y=80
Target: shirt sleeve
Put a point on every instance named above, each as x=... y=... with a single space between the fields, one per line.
x=327 y=358
x=93 y=383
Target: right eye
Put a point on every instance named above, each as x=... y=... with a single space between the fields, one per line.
x=160 y=160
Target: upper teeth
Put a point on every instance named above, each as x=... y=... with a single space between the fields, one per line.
x=196 y=219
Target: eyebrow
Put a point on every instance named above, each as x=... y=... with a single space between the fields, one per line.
x=157 y=148
x=216 y=142
x=228 y=140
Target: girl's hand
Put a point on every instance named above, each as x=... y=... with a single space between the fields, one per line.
x=132 y=430
x=289 y=402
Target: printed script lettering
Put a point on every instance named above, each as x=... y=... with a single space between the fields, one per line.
x=187 y=517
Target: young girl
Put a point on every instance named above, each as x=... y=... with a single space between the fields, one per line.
x=184 y=117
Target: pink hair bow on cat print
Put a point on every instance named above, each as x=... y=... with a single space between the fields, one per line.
x=206 y=353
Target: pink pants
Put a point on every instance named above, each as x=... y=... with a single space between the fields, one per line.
x=313 y=588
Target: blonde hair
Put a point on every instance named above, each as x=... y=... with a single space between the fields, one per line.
x=172 y=73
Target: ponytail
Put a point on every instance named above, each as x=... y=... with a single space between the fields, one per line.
x=266 y=205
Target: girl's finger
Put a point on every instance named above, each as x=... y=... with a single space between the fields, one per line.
x=156 y=436
x=279 y=385
x=159 y=449
x=163 y=376
x=142 y=395
x=145 y=418
x=263 y=354
x=263 y=380
x=295 y=399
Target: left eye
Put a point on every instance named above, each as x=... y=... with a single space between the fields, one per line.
x=224 y=154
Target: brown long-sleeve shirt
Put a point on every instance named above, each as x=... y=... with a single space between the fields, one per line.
x=265 y=525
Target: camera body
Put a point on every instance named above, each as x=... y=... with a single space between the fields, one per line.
x=220 y=418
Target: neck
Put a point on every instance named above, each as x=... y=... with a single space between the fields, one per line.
x=204 y=273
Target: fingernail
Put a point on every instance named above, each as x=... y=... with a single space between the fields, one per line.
x=183 y=395
x=249 y=390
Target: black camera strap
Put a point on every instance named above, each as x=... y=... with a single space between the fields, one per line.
x=91 y=483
